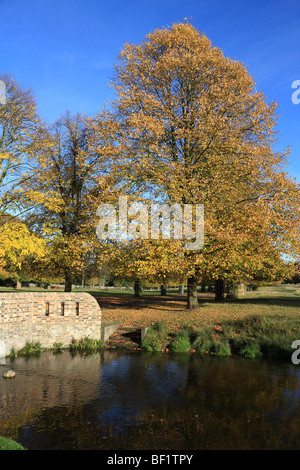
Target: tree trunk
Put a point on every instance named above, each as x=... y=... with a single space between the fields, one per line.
x=219 y=294
x=137 y=288
x=192 y=296
x=68 y=282
x=163 y=290
x=181 y=289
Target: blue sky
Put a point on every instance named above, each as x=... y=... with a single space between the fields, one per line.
x=65 y=50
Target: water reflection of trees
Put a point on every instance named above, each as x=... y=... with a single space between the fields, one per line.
x=182 y=401
x=189 y=402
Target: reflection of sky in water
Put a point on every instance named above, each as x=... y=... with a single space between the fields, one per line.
x=292 y=394
x=129 y=386
x=286 y=403
x=117 y=417
x=137 y=380
x=165 y=382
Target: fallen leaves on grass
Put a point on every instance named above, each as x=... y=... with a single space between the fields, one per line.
x=133 y=312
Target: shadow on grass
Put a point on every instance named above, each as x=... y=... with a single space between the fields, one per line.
x=280 y=301
x=130 y=301
x=179 y=301
x=129 y=338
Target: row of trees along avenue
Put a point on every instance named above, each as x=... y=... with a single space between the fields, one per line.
x=187 y=126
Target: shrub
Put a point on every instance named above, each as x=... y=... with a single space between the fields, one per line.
x=152 y=341
x=57 y=347
x=203 y=343
x=251 y=350
x=159 y=326
x=157 y=338
x=222 y=348
x=276 y=345
x=86 y=345
x=256 y=336
x=238 y=341
x=30 y=348
x=181 y=343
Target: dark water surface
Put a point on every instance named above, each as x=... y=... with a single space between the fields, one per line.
x=138 y=401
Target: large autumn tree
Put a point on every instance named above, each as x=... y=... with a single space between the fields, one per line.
x=72 y=166
x=193 y=129
x=20 y=139
x=20 y=128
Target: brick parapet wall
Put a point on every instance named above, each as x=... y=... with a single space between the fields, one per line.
x=23 y=318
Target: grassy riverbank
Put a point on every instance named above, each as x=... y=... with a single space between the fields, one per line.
x=84 y=345
x=251 y=337
x=264 y=323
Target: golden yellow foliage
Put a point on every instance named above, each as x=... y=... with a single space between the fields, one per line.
x=193 y=129
x=17 y=248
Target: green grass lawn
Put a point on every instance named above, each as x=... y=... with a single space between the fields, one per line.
x=281 y=301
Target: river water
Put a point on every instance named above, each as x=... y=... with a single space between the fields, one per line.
x=119 y=401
